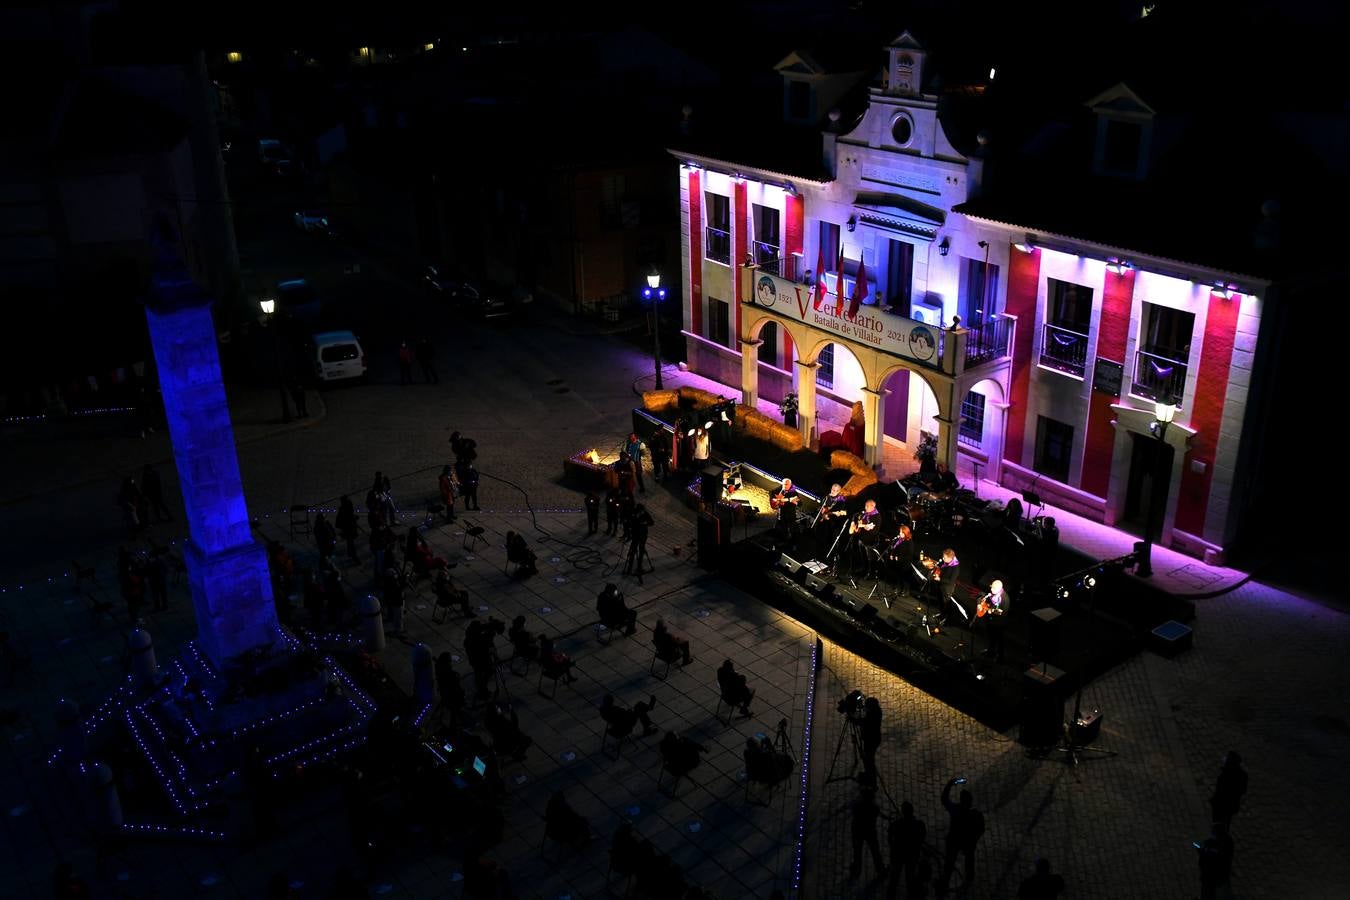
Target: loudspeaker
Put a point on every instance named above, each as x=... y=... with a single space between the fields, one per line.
x=1043 y=636
x=1041 y=710
x=710 y=485
x=788 y=564
x=816 y=584
x=866 y=613
x=709 y=542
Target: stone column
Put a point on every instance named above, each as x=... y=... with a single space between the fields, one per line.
x=949 y=408
x=806 y=401
x=227 y=567
x=874 y=411
x=750 y=372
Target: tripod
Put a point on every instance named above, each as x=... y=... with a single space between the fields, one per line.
x=853 y=731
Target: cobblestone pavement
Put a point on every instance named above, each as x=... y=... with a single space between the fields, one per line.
x=1262 y=679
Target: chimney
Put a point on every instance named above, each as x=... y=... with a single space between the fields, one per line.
x=975 y=167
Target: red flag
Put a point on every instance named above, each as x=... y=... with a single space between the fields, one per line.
x=839 y=277
x=820 y=276
x=859 y=289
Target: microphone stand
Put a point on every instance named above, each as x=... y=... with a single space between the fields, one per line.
x=830 y=554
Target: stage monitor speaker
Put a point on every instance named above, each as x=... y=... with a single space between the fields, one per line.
x=788 y=564
x=1043 y=636
x=709 y=542
x=815 y=584
x=866 y=613
x=1041 y=710
x=710 y=485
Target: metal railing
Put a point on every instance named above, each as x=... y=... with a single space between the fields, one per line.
x=787 y=267
x=1064 y=350
x=717 y=245
x=1158 y=377
x=988 y=341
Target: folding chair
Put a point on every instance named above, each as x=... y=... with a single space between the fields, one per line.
x=619 y=739
x=473 y=535
x=543 y=673
x=300 y=520
x=729 y=704
x=668 y=657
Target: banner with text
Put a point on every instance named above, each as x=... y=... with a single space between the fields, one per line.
x=883 y=331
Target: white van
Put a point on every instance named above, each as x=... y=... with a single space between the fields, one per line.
x=338 y=355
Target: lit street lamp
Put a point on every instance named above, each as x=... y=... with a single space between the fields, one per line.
x=655 y=293
x=1163 y=413
x=269 y=306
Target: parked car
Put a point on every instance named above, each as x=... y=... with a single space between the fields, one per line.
x=472 y=301
x=337 y=355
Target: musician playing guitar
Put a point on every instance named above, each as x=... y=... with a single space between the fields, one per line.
x=785 y=500
x=832 y=507
x=994 y=610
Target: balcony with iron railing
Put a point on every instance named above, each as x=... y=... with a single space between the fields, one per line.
x=788 y=267
x=989 y=340
x=1158 y=377
x=1064 y=350
x=717 y=245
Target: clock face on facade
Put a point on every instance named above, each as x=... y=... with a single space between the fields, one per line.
x=902 y=129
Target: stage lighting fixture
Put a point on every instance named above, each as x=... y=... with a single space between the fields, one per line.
x=1063 y=593
x=1090 y=582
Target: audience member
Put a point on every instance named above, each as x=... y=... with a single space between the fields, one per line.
x=1216 y=862
x=764 y=764
x=1229 y=789
x=519 y=552
x=668 y=643
x=613 y=612
x=733 y=687
x=556 y=664
x=680 y=754
x=448 y=683
x=507 y=738
x=905 y=838
x=967 y=825
x=621 y=719
x=863 y=830
x=522 y=642
x=563 y=823
x=1041 y=884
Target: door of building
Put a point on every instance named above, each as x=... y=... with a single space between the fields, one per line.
x=1150 y=474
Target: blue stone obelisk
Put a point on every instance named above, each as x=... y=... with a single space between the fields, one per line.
x=227 y=566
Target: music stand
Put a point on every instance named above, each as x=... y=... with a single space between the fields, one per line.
x=1033 y=499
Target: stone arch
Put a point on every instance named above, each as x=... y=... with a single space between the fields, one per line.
x=991 y=441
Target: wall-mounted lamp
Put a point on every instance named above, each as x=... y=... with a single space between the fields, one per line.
x=852 y=223
x=1028 y=245
x=946 y=246
x=1223 y=290
x=1119 y=266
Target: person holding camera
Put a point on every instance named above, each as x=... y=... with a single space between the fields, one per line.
x=964 y=832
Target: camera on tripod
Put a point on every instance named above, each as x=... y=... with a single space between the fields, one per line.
x=852 y=705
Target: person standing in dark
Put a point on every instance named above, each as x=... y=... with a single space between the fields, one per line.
x=426 y=357
x=592 y=512
x=1216 y=862
x=906 y=837
x=445 y=485
x=346 y=525
x=633 y=447
x=153 y=489
x=447 y=682
x=405 y=361
x=871 y=739
x=298 y=398
x=660 y=453
x=1041 y=884
x=325 y=537
x=464 y=449
x=468 y=482
x=967 y=826
x=393 y=589
x=1229 y=789
x=157 y=573
x=640 y=523
x=613 y=508
x=863 y=830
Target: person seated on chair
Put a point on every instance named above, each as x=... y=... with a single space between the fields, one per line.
x=1012 y=514
x=668 y=643
x=418 y=553
x=563 y=823
x=613 y=612
x=733 y=687
x=946 y=483
x=763 y=763
x=621 y=719
x=680 y=754
x=518 y=552
x=522 y=641
x=556 y=664
x=450 y=593
x=625 y=850
x=507 y=738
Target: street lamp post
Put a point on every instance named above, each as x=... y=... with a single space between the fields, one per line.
x=1163 y=413
x=269 y=307
x=656 y=294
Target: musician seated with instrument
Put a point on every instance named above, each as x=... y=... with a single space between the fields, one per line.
x=785 y=500
x=946 y=484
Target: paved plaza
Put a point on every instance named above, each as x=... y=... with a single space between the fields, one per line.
x=1264 y=677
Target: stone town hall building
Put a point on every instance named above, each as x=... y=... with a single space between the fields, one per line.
x=1071 y=333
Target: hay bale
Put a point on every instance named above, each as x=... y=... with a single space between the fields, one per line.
x=659 y=402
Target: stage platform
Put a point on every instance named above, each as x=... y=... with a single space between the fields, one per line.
x=885 y=622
